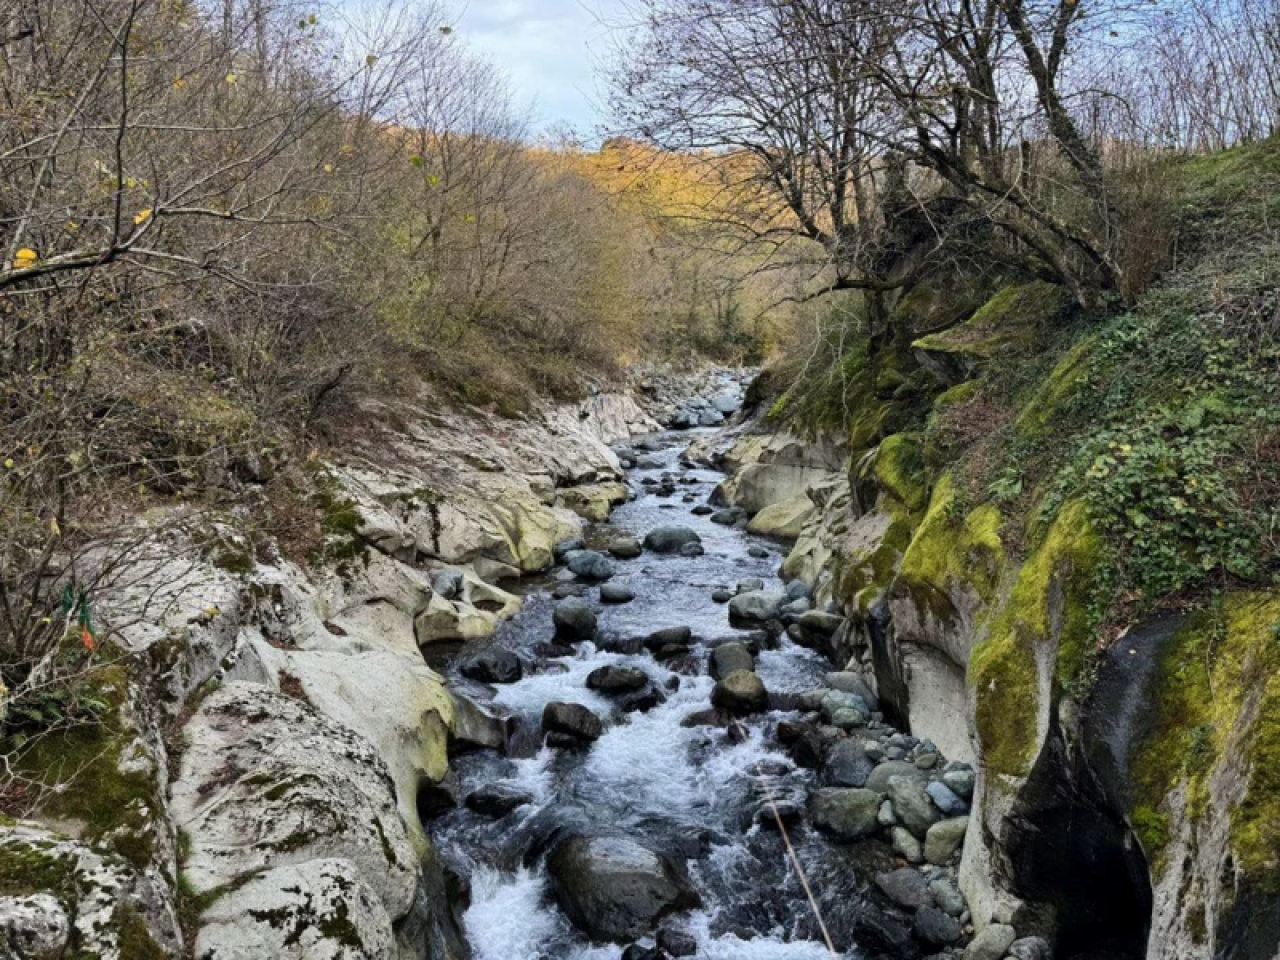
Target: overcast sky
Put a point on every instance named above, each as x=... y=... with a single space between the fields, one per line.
x=547 y=48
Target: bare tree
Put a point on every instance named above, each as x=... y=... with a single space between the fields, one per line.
x=781 y=100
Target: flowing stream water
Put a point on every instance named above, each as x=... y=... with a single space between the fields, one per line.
x=696 y=792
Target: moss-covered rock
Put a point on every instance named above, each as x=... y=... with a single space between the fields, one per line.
x=107 y=908
x=952 y=551
x=1217 y=693
x=935 y=305
x=98 y=774
x=593 y=501
x=318 y=910
x=1204 y=787
x=1009 y=320
x=1053 y=393
x=899 y=471
x=1039 y=633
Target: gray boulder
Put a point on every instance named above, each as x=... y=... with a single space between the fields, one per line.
x=571 y=720
x=912 y=804
x=1031 y=948
x=495 y=665
x=670 y=539
x=948 y=896
x=625 y=548
x=935 y=927
x=496 y=800
x=847 y=765
x=991 y=943
x=617 y=679
x=944 y=838
x=849 y=682
x=797 y=589
x=906 y=887
x=836 y=700
x=727 y=403
x=758 y=606
x=820 y=622
x=879 y=779
x=613 y=888
x=710 y=418
x=741 y=693
x=616 y=593
x=945 y=798
x=905 y=845
x=563 y=548
x=849 y=814
x=730 y=658
x=574 y=620
x=960 y=779
x=794 y=608
x=591 y=565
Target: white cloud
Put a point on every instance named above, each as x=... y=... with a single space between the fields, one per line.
x=547 y=48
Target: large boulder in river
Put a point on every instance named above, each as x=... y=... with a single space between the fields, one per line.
x=741 y=693
x=613 y=678
x=670 y=539
x=730 y=658
x=757 y=606
x=574 y=620
x=571 y=720
x=613 y=888
x=495 y=665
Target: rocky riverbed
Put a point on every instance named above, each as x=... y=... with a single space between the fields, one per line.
x=669 y=726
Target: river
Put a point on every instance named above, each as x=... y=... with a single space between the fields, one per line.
x=700 y=792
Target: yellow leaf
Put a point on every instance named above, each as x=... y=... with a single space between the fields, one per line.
x=26 y=257
x=328 y=168
x=179 y=83
x=54 y=528
x=142 y=216
x=231 y=78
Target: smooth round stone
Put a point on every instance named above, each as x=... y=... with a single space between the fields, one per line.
x=616 y=593
x=591 y=565
x=628 y=548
